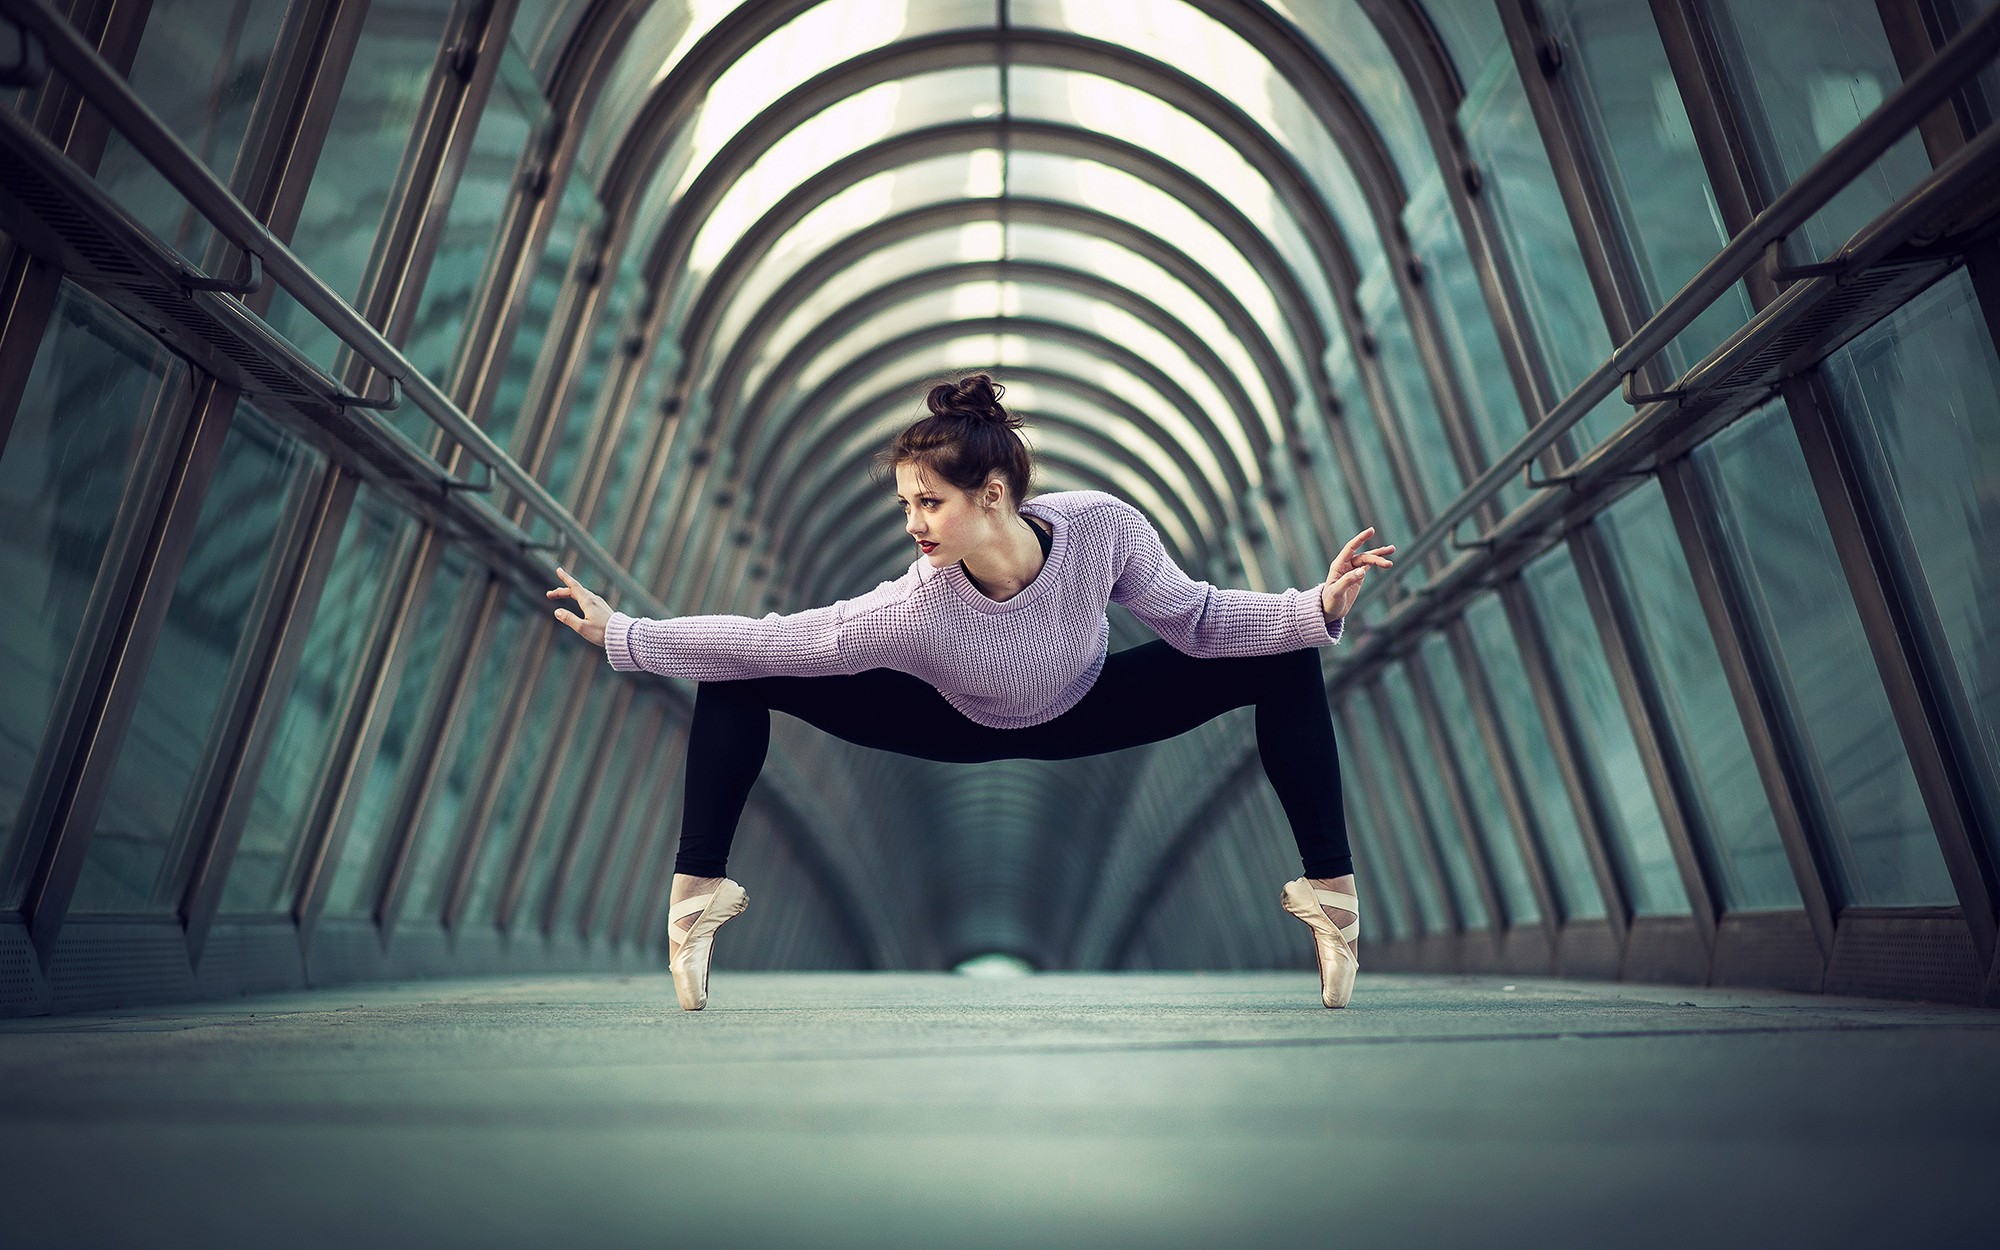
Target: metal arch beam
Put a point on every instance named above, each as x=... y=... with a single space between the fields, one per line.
x=1344 y=118
x=1053 y=214
x=753 y=436
x=1216 y=209
x=1235 y=486
x=1322 y=229
x=1327 y=94
x=1437 y=90
x=809 y=463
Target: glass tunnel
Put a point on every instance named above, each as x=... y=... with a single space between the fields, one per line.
x=1658 y=336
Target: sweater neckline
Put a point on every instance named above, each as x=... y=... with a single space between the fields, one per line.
x=1058 y=546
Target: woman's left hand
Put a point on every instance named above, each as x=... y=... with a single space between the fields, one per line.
x=1344 y=576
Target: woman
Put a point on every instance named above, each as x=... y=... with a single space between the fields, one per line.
x=993 y=646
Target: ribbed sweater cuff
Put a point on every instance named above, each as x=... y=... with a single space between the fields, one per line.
x=1314 y=630
x=618 y=643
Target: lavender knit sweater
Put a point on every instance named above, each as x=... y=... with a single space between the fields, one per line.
x=1005 y=665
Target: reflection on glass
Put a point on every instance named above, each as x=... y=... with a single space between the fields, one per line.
x=357 y=880
x=1638 y=840
x=1379 y=776
x=1527 y=734
x=598 y=838
x=523 y=771
x=1374 y=871
x=1918 y=393
x=63 y=470
x=481 y=703
x=1490 y=399
x=1417 y=407
x=362 y=158
x=576 y=218
x=559 y=823
x=261 y=875
x=1884 y=849
x=1520 y=185
x=1392 y=518
x=581 y=416
x=1495 y=831
x=199 y=67
x=1817 y=71
x=129 y=852
x=1640 y=132
x=492 y=165
x=1447 y=836
x=1680 y=650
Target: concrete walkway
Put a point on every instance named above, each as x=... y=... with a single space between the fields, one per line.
x=860 y=1110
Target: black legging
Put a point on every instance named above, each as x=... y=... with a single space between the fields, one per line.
x=1145 y=693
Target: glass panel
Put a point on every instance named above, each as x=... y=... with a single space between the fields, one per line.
x=362 y=158
x=261 y=875
x=642 y=429
x=1392 y=518
x=1470 y=29
x=1449 y=838
x=576 y=218
x=1490 y=398
x=1918 y=393
x=485 y=188
x=1348 y=39
x=1527 y=735
x=605 y=808
x=1520 y=185
x=1883 y=846
x=233 y=540
x=1681 y=653
x=581 y=417
x=1495 y=830
x=358 y=878
x=1375 y=870
x=481 y=703
x=1817 y=72
x=1638 y=841
x=592 y=736
x=63 y=473
x=1640 y=132
x=496 y=850
x=1416 y=402
x=1371 y=763
x=199 y=67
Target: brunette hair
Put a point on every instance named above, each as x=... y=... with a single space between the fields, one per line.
x=967 y=439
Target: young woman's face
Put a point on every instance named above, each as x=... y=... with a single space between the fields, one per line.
x=937 y=513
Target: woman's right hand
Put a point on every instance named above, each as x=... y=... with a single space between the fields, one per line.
x=595 y=612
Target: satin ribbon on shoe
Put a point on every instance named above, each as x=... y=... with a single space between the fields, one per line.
x=690 y=960
x=1333 y=943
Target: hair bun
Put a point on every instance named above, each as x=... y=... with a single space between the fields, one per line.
x=975 y=398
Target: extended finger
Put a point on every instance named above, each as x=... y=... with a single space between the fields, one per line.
x=569 y=581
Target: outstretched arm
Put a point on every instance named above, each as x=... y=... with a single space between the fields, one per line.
x=1204 y=620
x=723 y=648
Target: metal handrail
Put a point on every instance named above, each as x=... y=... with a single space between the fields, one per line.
x=1836 y=168
x=110 y=94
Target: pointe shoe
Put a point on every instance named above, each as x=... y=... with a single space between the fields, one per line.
x=1335 y=944
x=690 y=959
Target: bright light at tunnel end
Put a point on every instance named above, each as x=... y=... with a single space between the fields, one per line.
x=995 y=964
